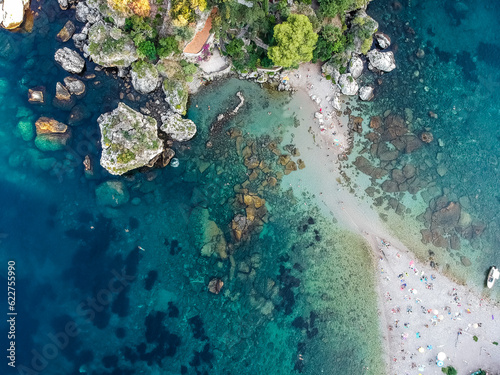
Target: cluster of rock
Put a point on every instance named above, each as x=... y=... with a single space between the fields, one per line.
x=378 y=61
x=129 y=139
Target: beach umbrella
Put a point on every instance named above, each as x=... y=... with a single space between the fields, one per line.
x=440 y=317
x=441 y=356
x=475 y=325
x=440 y=363
x=435 y=312
x=421 y=350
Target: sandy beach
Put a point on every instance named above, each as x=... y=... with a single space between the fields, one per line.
x=422 y=313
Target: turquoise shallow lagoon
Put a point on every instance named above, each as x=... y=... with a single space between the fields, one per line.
x=124 y=290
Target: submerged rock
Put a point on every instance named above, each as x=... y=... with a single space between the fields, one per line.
x=66 y=32
x=180 y=129
x=145 y=77
x=206 y=234
x=176 y=94
x=110 y=47
x=215 y=286
x=112 y=194
x=129 y=140
x=348 y=84
x=383 y=61
x=70 y=60
x=52 y=135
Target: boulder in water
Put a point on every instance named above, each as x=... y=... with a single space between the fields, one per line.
x=356 y=66
x=366 y=93
x=383 y=61
x=112 y=194
x=74 y=86
x=12 y=13
x=383 y=40
x=66 y=32
x=70 y=60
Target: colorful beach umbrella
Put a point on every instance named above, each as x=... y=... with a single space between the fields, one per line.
x=440 y=363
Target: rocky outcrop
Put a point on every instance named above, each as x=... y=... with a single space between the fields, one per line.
x=86 y=14
x=366 y=93
x=356 y=66
x=129 y=140
x=66 y=32
x=12 y=13
x=109 y=46
x=348 y=84
x=70 y=60
x=215 y=286
x=176 y=94
x=180 y=129
x=383 y=40
x=145 y=77
x=383 y=61
x=362 y=27
x=331 y=69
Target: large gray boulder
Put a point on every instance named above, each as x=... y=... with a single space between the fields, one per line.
x=129 y=140
x=145 y=77
x=176 y=94
x=356 y=66
x=366 y=93
x=348 y=84
x=180 y=129
x=110 y=47
x=70 y=60
x=383 y=61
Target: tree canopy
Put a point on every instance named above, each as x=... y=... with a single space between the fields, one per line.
x=295 y=41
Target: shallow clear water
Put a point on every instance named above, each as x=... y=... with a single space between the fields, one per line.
x=451 y=91
x=132 y=278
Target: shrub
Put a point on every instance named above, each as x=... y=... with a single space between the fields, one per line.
x=450 y=370
x=146 y=50
x=167 y=46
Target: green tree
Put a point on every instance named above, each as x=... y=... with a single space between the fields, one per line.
x=330 y=41
x=167 y=45
x=146 y=50
x=295 y=41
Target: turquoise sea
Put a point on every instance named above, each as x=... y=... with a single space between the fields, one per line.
x=446 y=83
x=124 y=290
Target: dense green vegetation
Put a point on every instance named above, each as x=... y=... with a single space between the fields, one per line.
x=295 y=41
x=449 y=370
x=330 y=40
x=331 y=8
